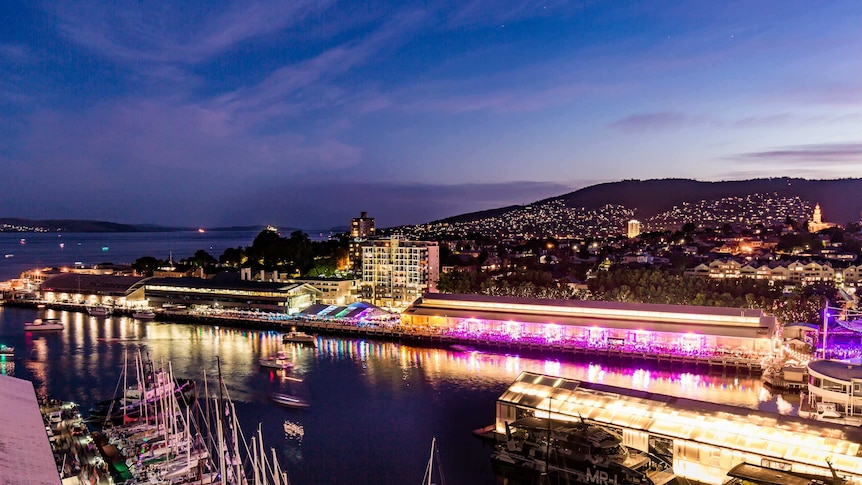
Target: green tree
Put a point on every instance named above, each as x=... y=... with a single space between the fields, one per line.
x=146 y=265
x=457 y=282
x=233 y=257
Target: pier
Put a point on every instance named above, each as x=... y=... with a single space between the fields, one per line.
x=437 y=337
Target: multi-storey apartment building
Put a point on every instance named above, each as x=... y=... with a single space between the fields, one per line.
x=361 y=228
x=395 y=272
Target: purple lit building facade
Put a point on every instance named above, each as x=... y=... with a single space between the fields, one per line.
x=692 y=330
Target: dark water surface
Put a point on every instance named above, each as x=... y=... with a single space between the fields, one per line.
x=374 y=405
x=41 y=249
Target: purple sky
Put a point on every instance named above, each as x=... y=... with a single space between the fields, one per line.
x=302 y=113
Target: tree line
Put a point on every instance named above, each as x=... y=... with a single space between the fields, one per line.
x=295 y=255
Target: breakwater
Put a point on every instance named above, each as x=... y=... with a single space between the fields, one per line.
x=431 y=337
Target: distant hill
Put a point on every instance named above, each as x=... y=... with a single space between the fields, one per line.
x=840 y=199
x=473 y=216
x=76 y=225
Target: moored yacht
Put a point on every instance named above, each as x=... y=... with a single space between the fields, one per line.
x=144 y=314
x=99 y=311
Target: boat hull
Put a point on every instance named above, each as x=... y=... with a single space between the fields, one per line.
x=298 y=338
x=290 y=401
x=42 y=327
x=275 y=365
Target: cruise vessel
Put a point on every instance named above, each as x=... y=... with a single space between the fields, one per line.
x=576 y=452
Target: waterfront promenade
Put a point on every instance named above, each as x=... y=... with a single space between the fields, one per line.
x=392 y=329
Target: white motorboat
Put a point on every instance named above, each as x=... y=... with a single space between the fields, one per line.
x=99 y=311
x=278 y=361
x=144 y=314
x=43 y=324
x=298 y=337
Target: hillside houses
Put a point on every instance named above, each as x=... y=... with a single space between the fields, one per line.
x=782 y=272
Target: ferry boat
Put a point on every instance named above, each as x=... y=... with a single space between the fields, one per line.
x=576 y=452
x=834 y=393
x=144 y=314
x=298 y=337
x=43 y=324
x=99 y=311
x=290 y=400
x=278 y=361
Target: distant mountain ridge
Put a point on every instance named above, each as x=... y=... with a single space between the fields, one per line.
x=840 y=199
x=18 y=224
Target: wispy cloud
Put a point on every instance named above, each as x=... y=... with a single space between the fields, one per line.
x=825 y=153
x=282 y=92
x=14 y=53
x=175 y=32
x=498 y=12
x=829 y=93
x=656 y=121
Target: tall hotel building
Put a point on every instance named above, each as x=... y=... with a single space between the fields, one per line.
x=634 y=228
x=361 y=228
x=396 y=272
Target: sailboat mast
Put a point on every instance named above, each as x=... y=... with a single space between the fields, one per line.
x=431 y=459
x=254 y=461
x=262 y=453
x=125 y=384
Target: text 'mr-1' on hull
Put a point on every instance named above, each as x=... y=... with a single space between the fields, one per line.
x=607 y=435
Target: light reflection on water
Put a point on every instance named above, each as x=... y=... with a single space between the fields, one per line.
x=363 y=392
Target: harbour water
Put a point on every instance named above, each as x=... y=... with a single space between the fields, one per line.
x=22 y=251
x=374 y=405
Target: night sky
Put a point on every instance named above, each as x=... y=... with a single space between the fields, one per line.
x=303 y=113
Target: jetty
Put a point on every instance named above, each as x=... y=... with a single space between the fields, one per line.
x=394 y=330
